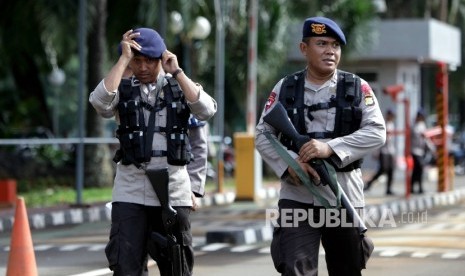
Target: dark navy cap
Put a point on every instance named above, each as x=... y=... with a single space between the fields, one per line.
x=421 y=112
x=322 y=26
x=151 y=42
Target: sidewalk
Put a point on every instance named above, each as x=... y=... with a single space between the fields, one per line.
x=221 y=219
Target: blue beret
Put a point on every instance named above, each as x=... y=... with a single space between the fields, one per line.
x=151 y=42
x=322 y=26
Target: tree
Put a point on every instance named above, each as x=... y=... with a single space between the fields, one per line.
x=51 y=27
x=99 y=171
x=30 y=32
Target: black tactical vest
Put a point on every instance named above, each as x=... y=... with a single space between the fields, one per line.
x=346 y=102
x=136 y=137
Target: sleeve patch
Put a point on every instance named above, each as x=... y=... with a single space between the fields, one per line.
x=270 y=101
x=366 y=90
x=368 y=94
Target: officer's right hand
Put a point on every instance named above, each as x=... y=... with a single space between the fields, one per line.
x=129 y=43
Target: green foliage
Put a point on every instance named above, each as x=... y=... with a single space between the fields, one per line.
x=64 y=195
x=32 y=31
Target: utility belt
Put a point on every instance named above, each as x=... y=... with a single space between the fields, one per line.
x=133 y=149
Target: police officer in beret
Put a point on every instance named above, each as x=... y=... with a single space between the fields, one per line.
x=152 y=109
x=340 y=112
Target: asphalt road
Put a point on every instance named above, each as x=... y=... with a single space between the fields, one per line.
x=431 y=243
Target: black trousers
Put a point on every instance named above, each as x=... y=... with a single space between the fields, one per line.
x=295 y=246
x=417 y=174
x=130 y=239
x=386 y=166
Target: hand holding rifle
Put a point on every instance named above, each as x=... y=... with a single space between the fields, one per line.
x=308 y=149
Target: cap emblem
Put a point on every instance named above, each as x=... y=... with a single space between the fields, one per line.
x=318 y=28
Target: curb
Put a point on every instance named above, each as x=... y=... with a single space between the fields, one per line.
x=42 y=220
x=378 y=213
x=59 y=218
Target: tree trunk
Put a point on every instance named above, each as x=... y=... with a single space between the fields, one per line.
x=98 y=166
x=30 y=90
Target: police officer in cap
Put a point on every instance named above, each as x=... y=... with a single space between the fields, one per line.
x=340 y=112
x=158 y=98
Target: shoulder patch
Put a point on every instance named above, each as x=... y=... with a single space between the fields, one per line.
x=367 y=94
x=270 y=101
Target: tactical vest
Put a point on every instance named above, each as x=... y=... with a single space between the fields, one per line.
x=346 y=102
x=136 y=137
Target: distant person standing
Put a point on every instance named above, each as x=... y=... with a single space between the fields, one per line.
x=419 y=145
x=387 y=155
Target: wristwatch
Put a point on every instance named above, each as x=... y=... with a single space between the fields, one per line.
x=175 y=73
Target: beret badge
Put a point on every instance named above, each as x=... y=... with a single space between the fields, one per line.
x=318 y=28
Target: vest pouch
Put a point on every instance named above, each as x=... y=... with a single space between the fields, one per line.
x=138 y=143
x=128 y=114
x=123 y=115
x=351 y=119
x=178 y=149
x=180 y=114
x=347 y=121
x=126 y=147
x=357 y=117
x=133 y=147
x=133 y=118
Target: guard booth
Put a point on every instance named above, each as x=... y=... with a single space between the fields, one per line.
x=404 y=52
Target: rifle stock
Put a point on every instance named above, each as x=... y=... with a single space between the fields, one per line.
x=277 y=118
x=160 y=182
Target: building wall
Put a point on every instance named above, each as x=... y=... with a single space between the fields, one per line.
x=380 y=74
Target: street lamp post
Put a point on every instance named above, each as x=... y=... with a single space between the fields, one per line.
x=200 y=30
x=56 y=78
x=219 y=88
x=82 y=79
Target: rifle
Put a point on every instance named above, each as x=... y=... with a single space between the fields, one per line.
x=160 y=180
x=278 y=118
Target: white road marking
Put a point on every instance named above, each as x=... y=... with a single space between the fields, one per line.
x=243 y=248
x=214 y=246
x=451 y=255
x=390 y=253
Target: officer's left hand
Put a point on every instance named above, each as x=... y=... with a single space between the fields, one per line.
x=194 y=202
x=169 y=62
x=294 y=178
x=315 y=149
